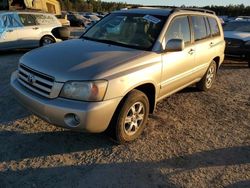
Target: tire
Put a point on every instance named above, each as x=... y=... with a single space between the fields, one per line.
x=131 y=117
x=248 y=64
x=46 y=40
x=208 y=79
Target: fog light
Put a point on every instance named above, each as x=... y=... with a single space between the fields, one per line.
x=72 y=120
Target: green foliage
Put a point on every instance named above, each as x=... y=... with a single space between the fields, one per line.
x=101 y=6
x=231 y=10
x=91 y=5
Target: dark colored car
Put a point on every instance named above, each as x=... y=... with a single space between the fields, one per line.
x=237 y=37
x=78 y=20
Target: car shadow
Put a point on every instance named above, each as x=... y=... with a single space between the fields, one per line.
x=190 y=89
x=14 y=51
x=234 y=65
x=139 y=173
x=240 y=184
x=43 y=144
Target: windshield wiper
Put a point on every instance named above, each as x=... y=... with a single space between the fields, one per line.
x=107 y=41
x=111 y=42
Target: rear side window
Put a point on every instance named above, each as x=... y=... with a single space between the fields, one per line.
x=214 y=27
x=179 y=29
x=45 y=19
x=27 y=19
x=199 y=27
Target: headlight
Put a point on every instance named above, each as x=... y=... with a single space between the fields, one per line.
x=247 y=43
x=85 y=91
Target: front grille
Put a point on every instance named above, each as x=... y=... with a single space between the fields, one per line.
x=231 y=42
x=35 y=81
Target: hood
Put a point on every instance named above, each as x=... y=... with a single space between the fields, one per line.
x=78 y=59
x=245 y=36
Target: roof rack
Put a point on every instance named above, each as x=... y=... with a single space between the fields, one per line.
x=196 y=9
x=179 y=9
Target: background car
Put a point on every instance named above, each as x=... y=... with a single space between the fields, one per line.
x=243 y=18
x=26 y=29
x=237 y=37
x=78 y=20
x=63 y=19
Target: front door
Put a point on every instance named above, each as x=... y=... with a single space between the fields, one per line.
x=177 y=66
x=30 y=32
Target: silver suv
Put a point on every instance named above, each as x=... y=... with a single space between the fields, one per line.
x=112 y=76
x=26 y=29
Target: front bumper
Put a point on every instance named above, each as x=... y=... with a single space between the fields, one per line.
x=238 y=53
x=92 y=117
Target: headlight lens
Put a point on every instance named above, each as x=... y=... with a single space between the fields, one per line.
x=85 y=91
x=247 y=43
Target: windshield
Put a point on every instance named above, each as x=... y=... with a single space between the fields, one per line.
x=237 y=26
x=129 y=30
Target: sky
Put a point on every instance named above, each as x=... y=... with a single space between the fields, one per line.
x=199 y=3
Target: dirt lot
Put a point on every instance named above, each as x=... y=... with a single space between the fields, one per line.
x=194 y=139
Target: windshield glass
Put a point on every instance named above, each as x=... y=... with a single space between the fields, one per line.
x=129 y=30
x=237 y=26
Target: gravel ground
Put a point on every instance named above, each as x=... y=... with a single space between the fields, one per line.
x=194 y=139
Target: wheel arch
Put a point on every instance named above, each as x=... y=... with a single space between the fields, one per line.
x=217 y=61
x=149 y=90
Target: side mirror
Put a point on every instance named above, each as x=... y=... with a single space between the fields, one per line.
x=175 y=45
x=61 y=33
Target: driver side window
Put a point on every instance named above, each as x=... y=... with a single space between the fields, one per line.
x=179 y=29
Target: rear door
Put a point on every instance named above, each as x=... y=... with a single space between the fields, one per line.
x=217 y=39
x=31 y=32
x=47 y=22
x=8 y=32
x=204 y=44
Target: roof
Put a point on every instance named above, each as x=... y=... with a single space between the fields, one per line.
x=24 y=11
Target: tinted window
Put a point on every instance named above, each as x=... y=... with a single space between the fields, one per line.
x=179 y=29
x=214 y=27
x=27 y=19
x=199 y=27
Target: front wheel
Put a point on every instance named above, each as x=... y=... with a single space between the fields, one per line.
x=46 y=40
x=131 y=117
x=208 y=79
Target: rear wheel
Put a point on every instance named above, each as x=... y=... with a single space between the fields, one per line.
x=208 y=79
x=132 y=117
x=46 y=40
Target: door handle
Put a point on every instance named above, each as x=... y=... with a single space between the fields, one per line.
x=191 y=51
x=35 y=28
x=9 y=31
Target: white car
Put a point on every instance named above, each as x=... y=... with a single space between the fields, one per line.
x=26 y=29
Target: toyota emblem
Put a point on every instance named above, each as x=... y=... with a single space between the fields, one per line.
x=31 y=79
